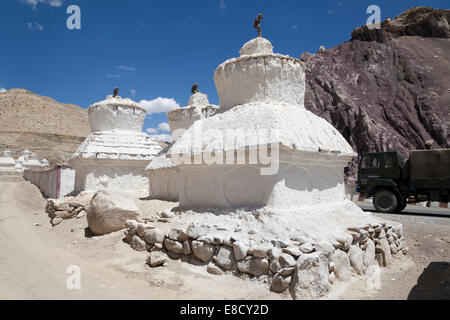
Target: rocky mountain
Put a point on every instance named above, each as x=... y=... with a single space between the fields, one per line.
x=42 y=125
x=386 y=89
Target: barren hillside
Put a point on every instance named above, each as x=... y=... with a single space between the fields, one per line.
x=387 y=89
x=50 y=129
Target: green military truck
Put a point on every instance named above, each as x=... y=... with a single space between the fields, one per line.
x=393 y=181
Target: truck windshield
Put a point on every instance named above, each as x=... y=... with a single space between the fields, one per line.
x=370 y=162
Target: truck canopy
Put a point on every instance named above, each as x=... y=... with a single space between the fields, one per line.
x=430 y=165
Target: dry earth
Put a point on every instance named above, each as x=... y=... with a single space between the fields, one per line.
x=35 y=257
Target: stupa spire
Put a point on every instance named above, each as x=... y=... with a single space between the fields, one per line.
x=257 y=23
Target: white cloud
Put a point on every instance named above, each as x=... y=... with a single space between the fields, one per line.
x=164 y=127
x=133 y=92
x=34 y=3
x=222 y=5
x=126 y=68
x=159 y=105
x=162 y=137
x=152 y=130
x=35 y=26
x=113 y=76
x=3 y=90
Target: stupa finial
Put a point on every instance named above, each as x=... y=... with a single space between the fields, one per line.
x=116 y=92
x=257 y=23
x=194 y=89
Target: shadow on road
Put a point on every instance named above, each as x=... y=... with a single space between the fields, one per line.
x=408 y=212
x=433 y=283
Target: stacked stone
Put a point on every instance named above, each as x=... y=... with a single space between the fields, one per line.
x=305 y=266
x=67 y=208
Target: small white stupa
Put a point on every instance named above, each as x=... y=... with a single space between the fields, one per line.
x=117 y=152
x=262 y=148
x=7 y=163
x=163 y=173
x=29 y=160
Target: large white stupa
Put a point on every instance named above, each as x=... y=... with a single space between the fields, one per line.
x=164 y=175
x=116 y=153
x=262 y=148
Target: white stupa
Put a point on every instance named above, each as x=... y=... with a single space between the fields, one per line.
x=163 y=173
x=116 y=153
x=7 y=163
x=262 y=148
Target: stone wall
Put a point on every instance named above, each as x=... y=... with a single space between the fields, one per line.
x=303 y=266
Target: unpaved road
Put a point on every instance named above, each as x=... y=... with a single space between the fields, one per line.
x=34 y=258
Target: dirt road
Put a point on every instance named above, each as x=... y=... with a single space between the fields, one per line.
x=34 y=258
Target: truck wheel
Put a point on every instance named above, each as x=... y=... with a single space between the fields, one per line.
x=385 y=201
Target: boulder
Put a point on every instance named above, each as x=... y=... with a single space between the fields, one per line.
x=156 y=259
x=178 y=234
x=211 y=268
x=109 y=209
x=369 y=254
x=307 y=248
x=341 y=265
x=260 y=250
x=254 y=266
x=293 y=251
x=280 y=283
x=326 y=247
x=356 y=256
x=385 y=250
x=142 y=228
x=225 y=258
x=187 y=248
x=173 y=246
x=240 y=250
x=195 y=232
x=138 y=244
x=310 y=279
x=154 y=236
x=202 y=250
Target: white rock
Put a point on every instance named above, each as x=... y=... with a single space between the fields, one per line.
x=154 y=236
x=326 y=247
x=341 y=265
x=356 y=256
x=196 y=232
x=332 y=277
x=307 y=248
x=173 y=246
x=138 y=244
x=202 y=250
x=385 y=251
x=254 y=266
x=109 y=209
x=293 y=251
x=310 y=279
x=81 y=214
x=369 y=255
x=240 y=250
x=261 y=250
x=187 y=248
x=178 y=234
x=142 y=228
x=225 y=258
x=211 y=268
x=156 y=259
x=280 y=283
x=280 y=243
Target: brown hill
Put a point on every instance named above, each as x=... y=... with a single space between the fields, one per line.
x=50 y=129
x=386 y=89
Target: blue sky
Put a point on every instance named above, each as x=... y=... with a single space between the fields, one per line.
x=154 y=50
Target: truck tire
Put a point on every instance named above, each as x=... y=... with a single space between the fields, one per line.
x=385 y=201
x=401 y=206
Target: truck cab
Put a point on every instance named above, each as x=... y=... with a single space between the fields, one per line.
x=381 y=175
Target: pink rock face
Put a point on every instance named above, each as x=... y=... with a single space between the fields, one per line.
x=379 y=93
